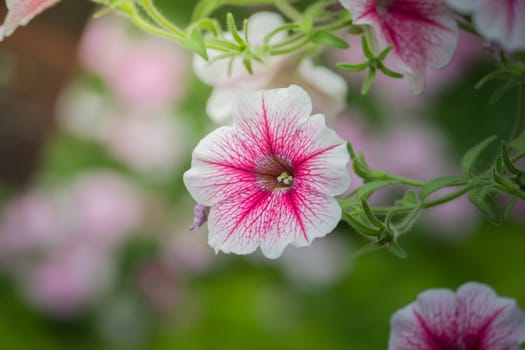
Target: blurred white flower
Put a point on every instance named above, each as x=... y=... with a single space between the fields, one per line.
x=327 y=89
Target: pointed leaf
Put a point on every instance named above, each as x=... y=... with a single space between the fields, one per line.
x=352 y=67
x=326 y=38
x=484 y=201
x=470 y=157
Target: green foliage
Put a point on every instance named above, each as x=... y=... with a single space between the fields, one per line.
x=472 y=155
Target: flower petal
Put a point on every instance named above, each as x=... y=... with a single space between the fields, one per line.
x=270 y=220
x=499 y=21
x=268 y=119
x=427 y=324
x=487 y=321
x=327 y=89
x=323 y=165
x=20 y=12
x=221 y=166
x=423 y=33
x=220 y=104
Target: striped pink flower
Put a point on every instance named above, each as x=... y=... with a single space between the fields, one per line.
x=473 y=318
x=270 y=178
x=20 y=12
x=422 y=33
x=499 y=21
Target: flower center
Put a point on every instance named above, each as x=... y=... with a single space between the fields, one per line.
x=274 y=173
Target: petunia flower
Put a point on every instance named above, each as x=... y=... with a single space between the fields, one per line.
x=474 y=317
x=499 y=21
x=20 y=12
x=328 y=90
x=269 y=179
x=422 y=33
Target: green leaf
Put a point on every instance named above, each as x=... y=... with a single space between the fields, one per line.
x=233 y=29
x=470 y=157
x=359 y=226
x=204 y=8
x=409 y=199
x=395 y=248
x=507 y=161
x=439 y=183
x=326 y=38
x=389 y=72
x=483 y=199
x=366 y=49
x=385 y=53
x=370 y=216
x=360 y=166
x=368 y=82
x=246 y=60
x=195 y=42
x=352 y=67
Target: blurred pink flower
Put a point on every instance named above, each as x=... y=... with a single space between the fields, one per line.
x=327 y=89
x=139 y=69
x=61 y=244
x=30 y=223
x=499 y=21
x=20 y=12
x=150 y=142
x=271 y=177
x=66 y=282
x=422 y=33
x=474 y=317
x=104 y=208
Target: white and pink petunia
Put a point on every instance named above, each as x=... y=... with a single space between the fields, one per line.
x=270 y=178
x=20 y=12
x=422 y=33
x=499 y=21
x=473 y=318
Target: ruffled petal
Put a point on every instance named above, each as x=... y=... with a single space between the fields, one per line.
x=20 y=12
x=427 y=324
x=222 y=166
x=423 y=33
x=322 y=166
x=220 y=104
x=270 y=220
x=327 y=89
x=502 y=22
x=487 y=321
x=270 y=120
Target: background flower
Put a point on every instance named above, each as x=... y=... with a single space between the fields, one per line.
x=422 y=33
x=474 y=317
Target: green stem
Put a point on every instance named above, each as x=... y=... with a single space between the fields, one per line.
x=138 y=20
x=159 y=17
x=448 y=197
x=404 y=180
x=296 y=46
x=288 y=10
x=436 y=202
